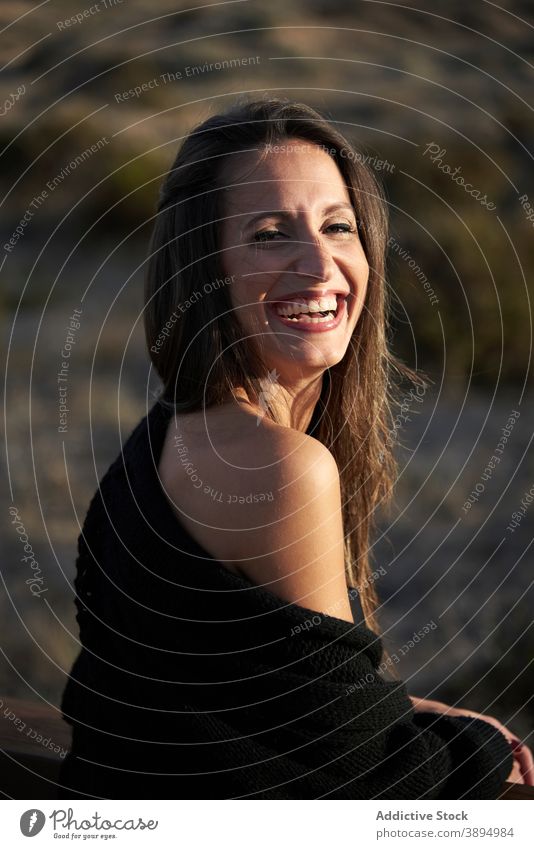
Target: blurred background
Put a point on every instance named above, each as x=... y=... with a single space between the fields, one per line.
x=94 y=101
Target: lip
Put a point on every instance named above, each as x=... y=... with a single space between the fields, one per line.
x=310 y=293
x=313 y=328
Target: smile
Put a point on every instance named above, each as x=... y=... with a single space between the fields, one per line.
x=311 y=315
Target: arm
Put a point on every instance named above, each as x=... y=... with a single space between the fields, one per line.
x=298 y=555
x=523 y=769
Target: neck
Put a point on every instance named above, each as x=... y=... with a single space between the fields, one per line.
x=292 y=405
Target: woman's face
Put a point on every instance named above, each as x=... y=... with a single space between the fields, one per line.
x=290 y=239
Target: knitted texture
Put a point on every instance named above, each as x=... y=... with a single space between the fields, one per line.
x=193 y=682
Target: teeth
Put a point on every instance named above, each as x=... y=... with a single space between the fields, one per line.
x=305 y=318
x=304 y=307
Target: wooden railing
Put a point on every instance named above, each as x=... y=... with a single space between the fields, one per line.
x=34 y=739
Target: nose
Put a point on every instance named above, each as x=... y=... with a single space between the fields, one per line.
x=312 y=258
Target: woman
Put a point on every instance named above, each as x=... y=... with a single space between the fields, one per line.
x=220 y=654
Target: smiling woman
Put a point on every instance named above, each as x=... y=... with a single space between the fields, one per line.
x=221 y=552
x=260 y=195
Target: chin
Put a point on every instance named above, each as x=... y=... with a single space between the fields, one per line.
x=302 y=358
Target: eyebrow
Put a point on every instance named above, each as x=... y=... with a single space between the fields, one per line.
x=284 y=213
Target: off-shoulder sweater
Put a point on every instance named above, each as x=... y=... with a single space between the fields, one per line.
x=194 y=683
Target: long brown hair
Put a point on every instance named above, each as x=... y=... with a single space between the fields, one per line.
x=202 y=358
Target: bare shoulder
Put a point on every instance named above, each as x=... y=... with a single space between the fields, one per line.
x=298 y=549
x=299 y=467
x=265 y=501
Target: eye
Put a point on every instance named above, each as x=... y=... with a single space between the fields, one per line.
x=266 y=235
x=345 y=228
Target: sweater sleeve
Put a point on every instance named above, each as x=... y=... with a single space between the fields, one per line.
x=409 y=756
x=419 y=757
x=481 y=759
x=367 y=741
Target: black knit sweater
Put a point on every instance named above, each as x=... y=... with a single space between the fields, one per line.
x=195 y=683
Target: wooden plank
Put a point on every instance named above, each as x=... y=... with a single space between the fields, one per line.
x=25 y=776
x=517 y=791
x=33 y=728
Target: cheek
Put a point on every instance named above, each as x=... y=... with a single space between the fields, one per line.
x=364 y=290
x=357 y=270
x=239 y=261
x=365 y=279
x=254 y=275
